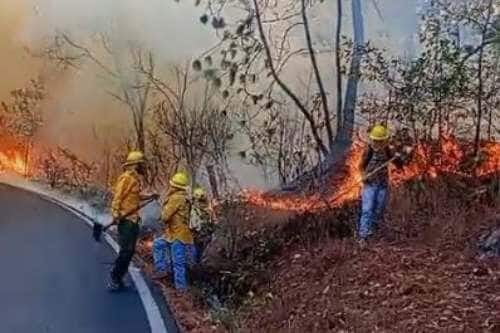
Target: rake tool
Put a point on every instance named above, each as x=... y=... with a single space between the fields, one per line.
x=98 y=228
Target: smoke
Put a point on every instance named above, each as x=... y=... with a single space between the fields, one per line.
x=12 y=22
x=170 y=28
x=79 y=113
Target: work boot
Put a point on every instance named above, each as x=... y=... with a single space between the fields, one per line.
x=115 y=286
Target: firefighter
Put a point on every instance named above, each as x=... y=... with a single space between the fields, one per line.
x=201 y=222
x=175 y=252
x=375 y=167
x=126 y=200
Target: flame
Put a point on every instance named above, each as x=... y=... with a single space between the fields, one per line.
x=13 y=161
x=429 y=160
x=492 y=162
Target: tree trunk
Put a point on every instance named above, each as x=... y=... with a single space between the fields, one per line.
x=317 y=75
x=338 y=65
x=344 y=138
x=346 y=131
x=479 y=103
x=141 y=141
x=310 y=119
x=480 y=92
x=212 y=179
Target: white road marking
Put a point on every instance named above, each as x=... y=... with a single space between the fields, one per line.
x=155 y=319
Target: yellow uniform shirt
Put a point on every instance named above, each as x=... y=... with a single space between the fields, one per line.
x=127 y=196
x=175 y=215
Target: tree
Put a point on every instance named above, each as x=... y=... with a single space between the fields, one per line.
x=479 y=17
x=193 y=119
x=439 y=92
x=117 y=64
x=259 y=47
x=23 y=115
x=281 y=143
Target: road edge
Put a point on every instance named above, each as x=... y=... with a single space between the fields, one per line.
x=156 y=320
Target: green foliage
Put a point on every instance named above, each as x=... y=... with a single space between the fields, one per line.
x=437 y=91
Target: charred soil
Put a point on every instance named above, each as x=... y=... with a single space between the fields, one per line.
x=273 y=271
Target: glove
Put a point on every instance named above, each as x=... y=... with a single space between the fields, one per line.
x=408 y=150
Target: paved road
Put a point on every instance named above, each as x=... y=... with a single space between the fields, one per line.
x=52 y=274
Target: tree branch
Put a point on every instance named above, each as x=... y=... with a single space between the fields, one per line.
x=283 y=86
x=319 y=81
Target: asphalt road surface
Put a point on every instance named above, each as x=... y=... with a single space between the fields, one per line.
x=52 y=276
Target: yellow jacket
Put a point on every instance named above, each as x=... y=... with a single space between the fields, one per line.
x=127 y=196
x=176 y=217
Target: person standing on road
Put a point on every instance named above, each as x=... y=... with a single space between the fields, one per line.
x=175 y=251
x=375 y=169
x=125 y=210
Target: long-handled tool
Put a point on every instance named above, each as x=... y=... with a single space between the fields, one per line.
x=98 y=228
x=379 y=168
x=362 y=179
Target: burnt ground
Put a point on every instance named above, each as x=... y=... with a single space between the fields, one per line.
x=422 y=273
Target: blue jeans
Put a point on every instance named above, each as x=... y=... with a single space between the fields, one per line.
x=374 y=200
x=176 y=257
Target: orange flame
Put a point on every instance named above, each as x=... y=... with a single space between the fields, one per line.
x=429 y=160
x=13 y=161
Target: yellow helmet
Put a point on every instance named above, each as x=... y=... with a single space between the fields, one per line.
x=135 y=157
x=379 y=133
x=180 y=180
x=199 y=193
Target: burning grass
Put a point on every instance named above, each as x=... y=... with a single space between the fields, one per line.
x=12 y=160
x=448 y=156
x=276 y=271
x=13 y=156
x=285 y=262
x=295 y=268
x=421 y=275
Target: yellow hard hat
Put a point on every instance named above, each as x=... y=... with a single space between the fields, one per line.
x=180 y=180
x=379 y=133
x=135 y=157
x=199 y=193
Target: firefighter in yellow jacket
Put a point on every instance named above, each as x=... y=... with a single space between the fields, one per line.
x=124 y=207
x=201 y=222
x=175 y=251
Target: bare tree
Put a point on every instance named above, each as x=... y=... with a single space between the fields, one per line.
x=280 y=141
x=117 y=64
x=269 y=61
x=263 y=37
x=188 y=114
